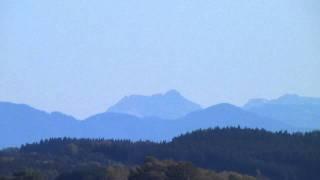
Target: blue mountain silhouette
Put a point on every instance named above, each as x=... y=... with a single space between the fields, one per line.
x=170 y=105
x=298 y=111
x=21 y=123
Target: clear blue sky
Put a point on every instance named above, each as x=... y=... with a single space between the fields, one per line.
x=80 y=57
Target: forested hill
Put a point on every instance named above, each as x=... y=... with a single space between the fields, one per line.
x=248 y=151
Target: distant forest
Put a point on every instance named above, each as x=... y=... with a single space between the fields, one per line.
x=220 y=153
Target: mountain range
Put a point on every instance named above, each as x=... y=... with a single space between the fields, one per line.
x=157 y=117
x=294 y=110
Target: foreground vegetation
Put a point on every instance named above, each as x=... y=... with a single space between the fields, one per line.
x=255 y=152
x=152 y=169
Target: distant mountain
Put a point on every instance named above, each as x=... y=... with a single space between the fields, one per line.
x=298 y=111
x=228 y=115
x=170 y=105
x=123 y=126
x=288 y=99
x=21 y=123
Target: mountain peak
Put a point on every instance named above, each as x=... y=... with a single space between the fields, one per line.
x=170 y=105
x=255 y=102
x=295 y=110
x=289 y=97
x=172 y=92
x=295 y=99
x=286 y=99
x=225 y=105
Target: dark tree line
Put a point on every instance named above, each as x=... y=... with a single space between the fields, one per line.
x=255 y=152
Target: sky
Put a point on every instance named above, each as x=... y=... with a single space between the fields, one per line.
x=80 y=57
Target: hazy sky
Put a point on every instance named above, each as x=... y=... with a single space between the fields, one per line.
x=80 y=57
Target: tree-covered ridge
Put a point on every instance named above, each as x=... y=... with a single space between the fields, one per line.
x=255 y=152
